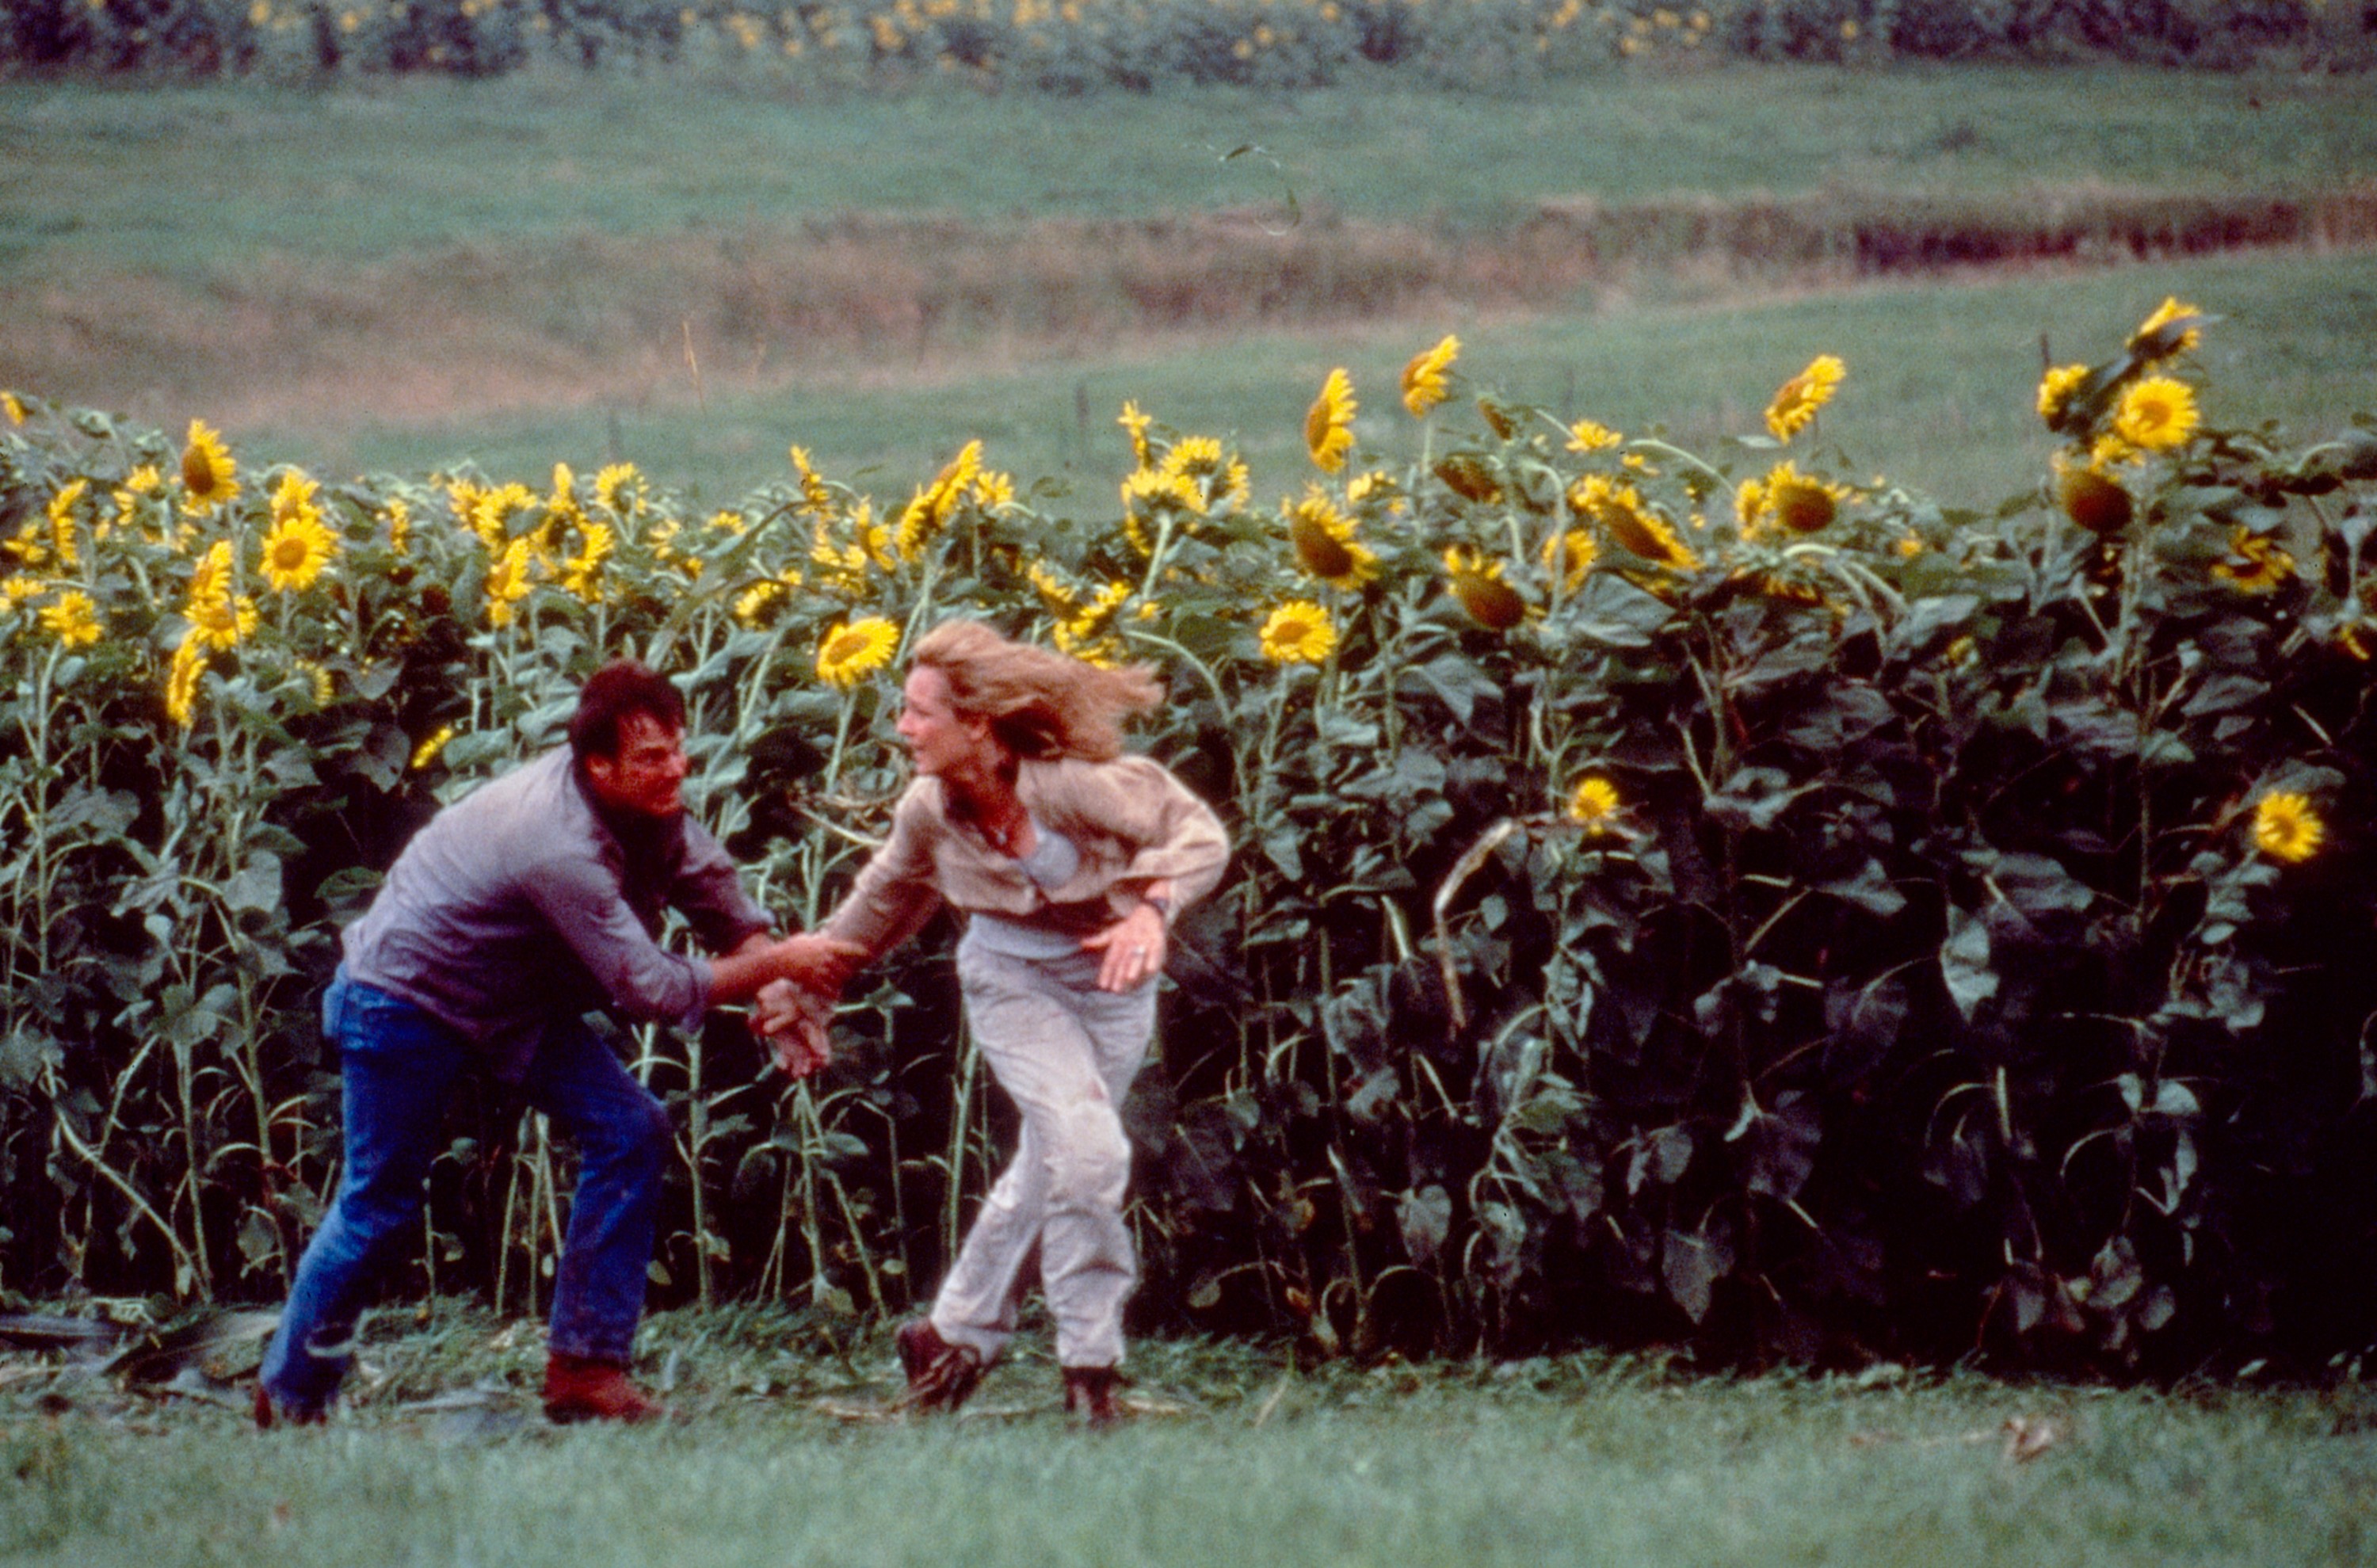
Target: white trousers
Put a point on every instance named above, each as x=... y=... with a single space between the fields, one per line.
x=1066 y=1053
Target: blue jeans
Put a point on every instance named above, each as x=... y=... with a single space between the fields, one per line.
x=396 y=1065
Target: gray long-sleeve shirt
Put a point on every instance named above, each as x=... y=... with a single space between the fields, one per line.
x=521 y=904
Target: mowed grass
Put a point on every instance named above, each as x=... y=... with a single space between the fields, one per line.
x=195 y=179
x=1941 y=391
x=1242 y=1459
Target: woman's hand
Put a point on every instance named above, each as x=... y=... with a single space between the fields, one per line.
x=1134 y=949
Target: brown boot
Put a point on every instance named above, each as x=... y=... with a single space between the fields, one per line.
x=1090 y=1393
x=271 y=1412
x=940 y=1375
x=578 y=1388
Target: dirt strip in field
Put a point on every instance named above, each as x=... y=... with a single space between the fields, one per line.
x=570 y=320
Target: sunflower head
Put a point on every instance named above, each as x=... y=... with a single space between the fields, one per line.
x=2267 y=564
x=1593 y=803
x=1587 y=436
x=2055 y=390
x=1569 y=553
x=1469 y=476
x=2155 y=415
x=1497 y=418
x=2285 y=826
x=1329 y=422
x=2171 y=330
x=208 y=472
x=852 y=650
x=1797 y=401
x=1298 y=632
x=1477 y=585
x=1324 y=538
x=2093 y=499
x=1424 y=379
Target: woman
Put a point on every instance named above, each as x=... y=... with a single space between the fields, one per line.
x=1069 y=861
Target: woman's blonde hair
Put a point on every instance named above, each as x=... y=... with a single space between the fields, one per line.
x=1039 y=705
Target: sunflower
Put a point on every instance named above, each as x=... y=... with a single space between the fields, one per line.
x=1571 y=553
x=219 y=618
x=62 y=522
x=751 y=605
x=1593 y=803
x=2147 y=340
x=1469 y=476
x=1786 y=498
x=1329 y=422
x=299 y=546
x=1153 y=485
x=816 y=497
x=2286 y=828
x=2267 y=565
x=1298 y=632
x=1797 y=401
x=1323 y=537
x=400 y=525
x=508 y=583
x=1424 y=378
x=2055 y=390
x=1590 y=435
x=1477 y=584
x=1620 y=512
x=852 y=650
x=182 y=680
x=580 y=571
x=73 y=620
x=2157 y=414
x=619 y=488
x=208 y=472
x=993 y=489
x=14 y=409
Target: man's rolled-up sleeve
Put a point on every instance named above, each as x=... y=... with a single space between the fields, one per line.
x=586 y=905
x=709 y=892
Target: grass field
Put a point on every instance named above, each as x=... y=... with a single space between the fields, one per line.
x=1243 y=1459
x=422 y=273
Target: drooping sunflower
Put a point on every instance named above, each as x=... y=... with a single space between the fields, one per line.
x=209 y=473
x=1424 y=379
x=2286 y=828
x=1469 y=476
x=1797 y=401
x=73 y=620
x=2268 y=566
x=1477 y=585
x=1329 y=422
x=1298 y=632
x=1324 y=542
x=619 y=487
x=1594 y=802
x=852 y=650
x=1788 y=499
x=934 y=504
x=2155 y=415
x=1621 y=513
x=2055 y=390
x=2147 y=341
x=1149 y=490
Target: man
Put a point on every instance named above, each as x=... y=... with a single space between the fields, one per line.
x=516 y=910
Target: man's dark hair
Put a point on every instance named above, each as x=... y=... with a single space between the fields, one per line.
x=614 y=693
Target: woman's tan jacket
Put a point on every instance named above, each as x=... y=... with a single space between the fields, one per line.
x=1132 y=822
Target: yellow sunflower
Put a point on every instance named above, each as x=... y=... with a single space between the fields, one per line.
x=619 y=487
x=73 y=620
x=299 y=546
x=816 y=496
x=1797 y=401
x=2155 y=415
x=1788 y=499
x=219 y=618
x=850 y=650
x=1571 y=553
x=2267 y=565
x=2170 y=310
x=14 y=409
x=400 y=525
x=1590 y=435
x=209 y=473
x=182 y=679
x=1137 y=424
x=1633 y=525
x=508 y=583
x=2286 y=828
x=62 y=522
x=1477 y=584
x=1423 y=381
x=1594 y=802
x=431 y=746
x=2055 y=390
x=1329 y=422
x=1324 y=542
x=1298 y=632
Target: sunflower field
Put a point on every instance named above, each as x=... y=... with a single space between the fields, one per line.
x=1722 y=898
x=1070 y=46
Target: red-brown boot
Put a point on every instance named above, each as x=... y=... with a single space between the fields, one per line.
x=578 y=1388
x=271 y=1412
x=940 y=1375
x=1091 y=1393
